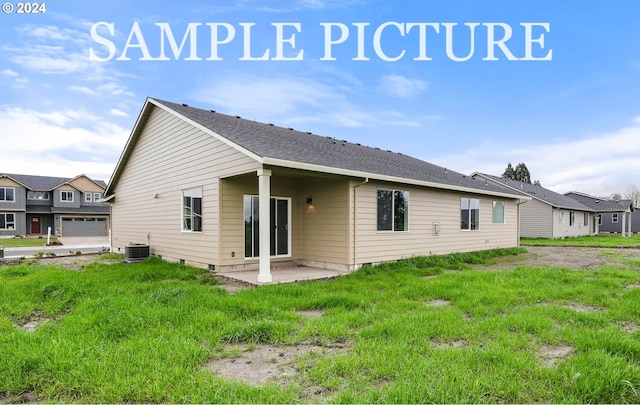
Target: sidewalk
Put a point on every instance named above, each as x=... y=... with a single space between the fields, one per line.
x=84 y=245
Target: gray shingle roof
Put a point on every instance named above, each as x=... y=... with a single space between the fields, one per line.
x=43 y=183
x=271 y=141
x=540 y=193
x=600 y=204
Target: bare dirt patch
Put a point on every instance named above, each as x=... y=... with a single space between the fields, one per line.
x=75 y=262
x=551 y=355
x=256 y=365
x=438 y=303
x=582 y=308
x=581 y=258
x=630 y=327
x=31 y=322
x=311 y=313
x=449 y=343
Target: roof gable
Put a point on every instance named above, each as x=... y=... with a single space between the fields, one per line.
x=277 y=146
x=44 y=183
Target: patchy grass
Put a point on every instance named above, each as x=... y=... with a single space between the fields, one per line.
x=609 y=240
x=25 y=242
x=117 y=333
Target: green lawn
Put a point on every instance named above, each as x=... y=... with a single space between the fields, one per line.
x=25 y=242
x=142 y=332
x=612 y=240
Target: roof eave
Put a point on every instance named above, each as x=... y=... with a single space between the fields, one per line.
x=382 y=177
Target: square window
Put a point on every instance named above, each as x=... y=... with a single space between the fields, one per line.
x=66 y=196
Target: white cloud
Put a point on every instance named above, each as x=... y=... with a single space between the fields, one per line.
x=400 y=86
x=290 y=100
x=83 y=89
x=9 y=73
x=598 y=164
x=118 y=113
x=60 y=142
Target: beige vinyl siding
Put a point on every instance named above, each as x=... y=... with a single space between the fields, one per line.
x=426 y=207
x=563 y=230
x=318 y=234
x=536 y=219
x=169 y=156
x=325 y=223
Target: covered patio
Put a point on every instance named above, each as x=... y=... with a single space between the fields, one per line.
x=289 y=273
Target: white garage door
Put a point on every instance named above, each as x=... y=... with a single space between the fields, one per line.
x=84 y=227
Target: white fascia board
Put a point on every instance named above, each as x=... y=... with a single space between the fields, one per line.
x=401 y=180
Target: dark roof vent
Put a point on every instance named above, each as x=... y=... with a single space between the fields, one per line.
x=212 y=111
x=237 y=116
x=185 y=105
x=290 y=129
x=309 y=132
x=270 y=124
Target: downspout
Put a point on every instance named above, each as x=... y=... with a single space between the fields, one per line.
x=518 y=204
x=355 y=222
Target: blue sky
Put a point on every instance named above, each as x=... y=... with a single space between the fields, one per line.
x=573 y=116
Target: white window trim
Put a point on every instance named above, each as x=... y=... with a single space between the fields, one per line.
x=96 y=197
x=5 y=195
x=614 y=218
x=478 y=225
x=90 y=197
x=561 y=217
x=45 y=195
x=198 y=190
x=289 y=228
x=63 y=192
x=393 y=196
x=504 y=210
x=6 y=228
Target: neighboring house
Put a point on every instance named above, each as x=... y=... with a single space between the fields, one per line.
x=548 y=214
x=615 y=215
x=197 y=186
x=30 y=205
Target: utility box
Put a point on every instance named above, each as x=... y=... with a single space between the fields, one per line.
x=436 y=228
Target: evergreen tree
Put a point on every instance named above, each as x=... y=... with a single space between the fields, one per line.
x=522 y=173
x=509 y=172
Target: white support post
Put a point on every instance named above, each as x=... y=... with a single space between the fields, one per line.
x=264 y=197
x=629 y=233
x=624 y=223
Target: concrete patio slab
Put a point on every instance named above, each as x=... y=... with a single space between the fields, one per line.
x=284 y=274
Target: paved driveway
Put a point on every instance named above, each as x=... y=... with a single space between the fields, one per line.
x=85 y=241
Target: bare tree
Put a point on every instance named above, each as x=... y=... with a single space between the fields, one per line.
x=616 y=196
x=633 y=194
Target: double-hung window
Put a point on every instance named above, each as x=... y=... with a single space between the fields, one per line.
x=469 y=214
x=614 y=218
x=586 y=219
x=7 y=221
x=572 y=218
x=88 y=197
x=7 y=194
x=66 y=196
x=393 y=210
x=192 y=210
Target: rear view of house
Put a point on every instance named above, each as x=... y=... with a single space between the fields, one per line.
x=30 y=205
x=548 y=214
x=227 y=193
x=615 y=216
